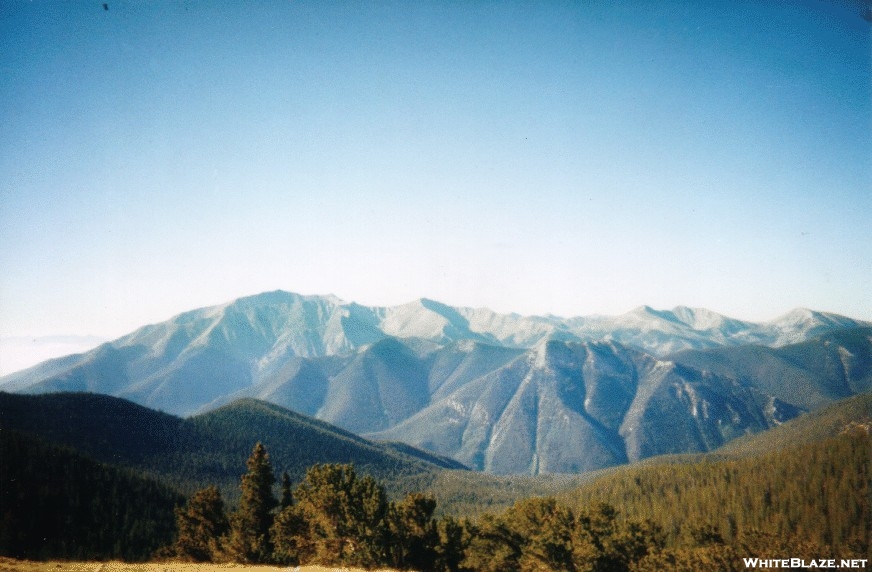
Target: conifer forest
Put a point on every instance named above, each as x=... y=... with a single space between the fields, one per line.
x=808 y=501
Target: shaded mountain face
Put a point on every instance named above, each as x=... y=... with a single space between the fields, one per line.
x=502 y=393
x=204 y=449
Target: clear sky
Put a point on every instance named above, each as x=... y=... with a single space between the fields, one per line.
x=570 y=158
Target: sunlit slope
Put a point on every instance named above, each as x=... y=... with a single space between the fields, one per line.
x=806 y=484
x=500 y=393
x=202 y=356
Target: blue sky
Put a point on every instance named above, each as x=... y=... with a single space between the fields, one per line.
x=571 y=158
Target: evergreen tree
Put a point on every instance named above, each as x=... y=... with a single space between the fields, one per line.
x=538 y=534
x=535 y=534
x=345 y=517
x=414 y=536
x=287 y=494
x=292 y=542
x=493 y=547
x=547 y=531
x=201 y=524
x=453 y=539
x=251 y=523
x=603 y=543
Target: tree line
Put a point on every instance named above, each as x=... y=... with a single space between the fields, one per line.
x=335 y=517
x=809 y=501
x=806 y=502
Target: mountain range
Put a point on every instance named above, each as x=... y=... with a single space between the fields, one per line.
x=506 y=394
x=124 y=468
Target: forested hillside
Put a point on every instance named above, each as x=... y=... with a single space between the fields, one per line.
x=55 y=503
x=815 y=426
x=798 y=502
x=816 y=494
x=209 y=449
x=801 y=491
x=190 y=453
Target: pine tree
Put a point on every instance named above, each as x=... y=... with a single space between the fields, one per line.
x=251 y=523
x=287 y=495
x=453 y=539
x=493 y=546
x=201 y=524
x=414 y=536
x=345 y=516
x=602 y=542
x=291 y=537
x=533 y=535
x=547 y=531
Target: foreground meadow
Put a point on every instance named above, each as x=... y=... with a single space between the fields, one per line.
x=11 y=565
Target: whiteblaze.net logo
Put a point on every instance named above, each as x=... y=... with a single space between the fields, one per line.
x=788 y=563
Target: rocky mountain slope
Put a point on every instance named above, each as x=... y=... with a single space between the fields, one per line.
x=570 y=407
x=501 y=393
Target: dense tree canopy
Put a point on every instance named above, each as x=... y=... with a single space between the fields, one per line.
x=337 y=518
x=56 y=503
x=804 y=501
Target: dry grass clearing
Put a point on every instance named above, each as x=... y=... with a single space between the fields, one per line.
x=10 y=565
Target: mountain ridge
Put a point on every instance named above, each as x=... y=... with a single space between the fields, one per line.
x=204 y=449
x=313 y=325
x=498 y=392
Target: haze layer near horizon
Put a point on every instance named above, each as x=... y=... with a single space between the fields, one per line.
x=527 y=157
